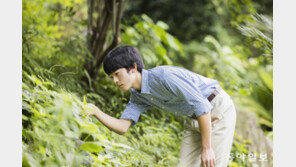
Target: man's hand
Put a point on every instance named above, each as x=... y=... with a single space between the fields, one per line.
x=208 y=157
x=91 y=109
x=119 y=126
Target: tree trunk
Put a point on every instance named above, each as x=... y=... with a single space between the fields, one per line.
x=109 y=14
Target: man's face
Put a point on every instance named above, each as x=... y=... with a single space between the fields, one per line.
x=122 y=78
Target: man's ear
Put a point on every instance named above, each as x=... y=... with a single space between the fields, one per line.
x=135 y=67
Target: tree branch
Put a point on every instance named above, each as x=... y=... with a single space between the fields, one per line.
x=99 y=42
x=90 y=22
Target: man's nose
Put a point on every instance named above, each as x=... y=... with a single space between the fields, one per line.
x=115 y=79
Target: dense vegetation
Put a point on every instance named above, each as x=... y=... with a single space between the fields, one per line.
x=230 y=41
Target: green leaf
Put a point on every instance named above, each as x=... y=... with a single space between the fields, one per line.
x=266 y=78
x=172 y=42
x=91 y=147
x=162 y=25
x=265 y=122
x=147 y=19
x=88 y=77
x=160 y=32
x=84 y=100
x=28 y=160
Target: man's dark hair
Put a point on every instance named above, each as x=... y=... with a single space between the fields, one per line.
x=123 y=57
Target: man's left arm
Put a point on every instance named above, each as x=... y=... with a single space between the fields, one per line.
x=207 y=154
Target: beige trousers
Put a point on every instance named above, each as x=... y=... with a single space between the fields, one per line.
x=223 y=120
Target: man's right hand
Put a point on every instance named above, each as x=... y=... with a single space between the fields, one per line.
x=119 y=126
x=91 y=109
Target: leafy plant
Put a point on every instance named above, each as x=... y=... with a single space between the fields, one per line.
x=55 y=132
x=156 y=45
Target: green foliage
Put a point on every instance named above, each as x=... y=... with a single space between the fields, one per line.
x=260 y=33
x=188 y=20
x=55 y=134
x=53 y=129
x=156 y=45
x=57 y=131
x=223 y=63
x=193 y=20
x=53 y=44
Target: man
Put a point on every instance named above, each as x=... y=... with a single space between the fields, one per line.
x=209 y=132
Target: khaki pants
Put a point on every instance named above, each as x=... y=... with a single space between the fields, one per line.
x=223 y=121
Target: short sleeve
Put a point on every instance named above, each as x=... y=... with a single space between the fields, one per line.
x=189 y=92
x=134 y=109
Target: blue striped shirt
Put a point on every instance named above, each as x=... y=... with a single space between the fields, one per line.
x=172 y=89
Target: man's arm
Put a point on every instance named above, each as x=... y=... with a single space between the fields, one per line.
x=119 y=126
x=207 y=155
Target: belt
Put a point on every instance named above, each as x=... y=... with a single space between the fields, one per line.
x=213 y=95
x=210 y=98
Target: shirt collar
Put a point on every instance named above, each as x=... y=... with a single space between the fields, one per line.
x=144 y=83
